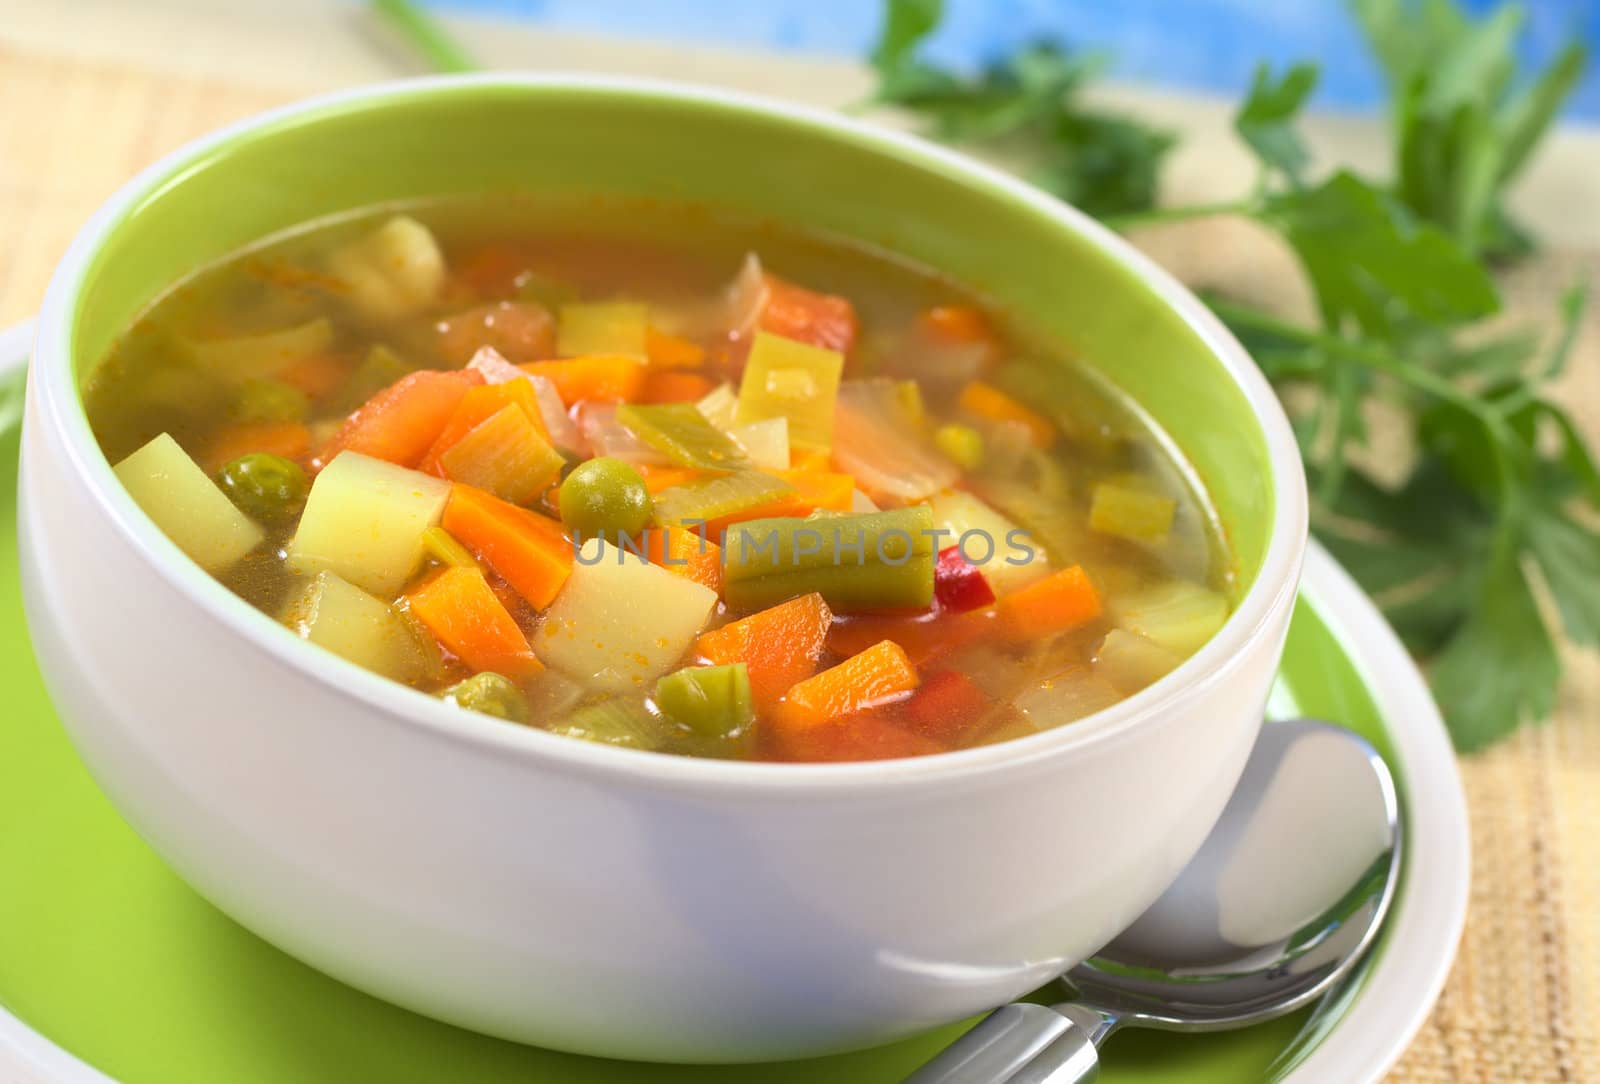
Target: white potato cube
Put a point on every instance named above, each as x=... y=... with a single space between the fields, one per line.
x=364 y=522
x=354 y=625
x=620 y=622
x=188 y=506
x=394 y=271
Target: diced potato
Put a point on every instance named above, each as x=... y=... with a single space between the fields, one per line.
x=604 y=327
x=1134 y=514
x=354 y=625
x=959 y=513
x=620 y=622
x=255 y=357
x=1130 y=661
x=188 y=506
x=365 y=521
x=765 y=443
x=1178 y=615
x=394 y=271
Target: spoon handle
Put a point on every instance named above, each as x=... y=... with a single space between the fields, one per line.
x=1019 y=1043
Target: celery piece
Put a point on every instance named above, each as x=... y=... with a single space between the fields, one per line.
x=380 y=368
x=681 y=433
x=870 y=561
x=620 y=721
x=604 y=327
x=440 y=545
x=716 y=498
x=505 y=455
x=711 y=701
x=269 y=401
x=788 y=379
x=1134 y=514
x=255 y=357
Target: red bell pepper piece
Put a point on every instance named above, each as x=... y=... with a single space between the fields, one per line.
x=958 y=584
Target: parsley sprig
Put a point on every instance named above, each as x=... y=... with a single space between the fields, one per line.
x=1500 y=503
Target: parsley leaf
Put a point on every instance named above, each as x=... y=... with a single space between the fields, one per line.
x=1102 y=162
x=1264 y=120
x=1500 y=669
x=1463 y=129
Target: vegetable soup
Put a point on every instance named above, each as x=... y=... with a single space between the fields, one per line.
x=652 y=478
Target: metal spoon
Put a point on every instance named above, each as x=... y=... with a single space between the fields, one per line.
x=1287 y=892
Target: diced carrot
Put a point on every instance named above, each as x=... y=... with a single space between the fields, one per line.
x=687 y=554
x=878 y=675
x=923 y=636
x=528 y=550
x=459 y=607
x=316 y=374
x=478 y=406
x=505 y=455
x=779 y=646
x=288 y=439
x=947 y=707
x=671 y=352
x=988 y=401
x=401 y=422
x=519 y=330
x=603 y=378
x=1061 y=601
x=867 y=735
x=657 y=477
x=824 y=320
x=809 y=459
x=674 y=387
x=957 y=323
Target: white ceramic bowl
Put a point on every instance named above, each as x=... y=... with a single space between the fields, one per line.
x=594 y=899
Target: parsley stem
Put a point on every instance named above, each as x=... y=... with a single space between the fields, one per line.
x=1182 y=213
x=426 y=35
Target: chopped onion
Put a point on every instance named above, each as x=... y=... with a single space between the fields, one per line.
x=766 y=443
x=719 y=405
x=1130 y=661
x=873 y=441
x=860 y=502
x=744 y=299
x=557 y=422
x=608 y=437
x=494 y=367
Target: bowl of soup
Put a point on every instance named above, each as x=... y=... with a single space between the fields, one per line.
x=646 y=571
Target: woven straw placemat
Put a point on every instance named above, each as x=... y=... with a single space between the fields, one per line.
x=1523 y=1002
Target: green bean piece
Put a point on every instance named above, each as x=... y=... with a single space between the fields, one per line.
x=605 y=498
x=619 y=721
x=267 y=488
x=869 y=561
x=711 y=701
x=269 y=401
x=490 y=694
x=683 y=434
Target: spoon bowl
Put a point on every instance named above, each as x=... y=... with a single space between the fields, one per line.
x=1284 y=898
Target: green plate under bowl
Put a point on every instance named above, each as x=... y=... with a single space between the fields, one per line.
x=109 y=961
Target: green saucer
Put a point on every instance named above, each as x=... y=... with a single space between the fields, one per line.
x=104 y=952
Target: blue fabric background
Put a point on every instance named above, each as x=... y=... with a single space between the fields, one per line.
x=1208 y=44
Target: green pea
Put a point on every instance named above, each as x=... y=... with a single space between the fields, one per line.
x=267 y=488
x=490 y=694
x=605 y=497
x=269 y=401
